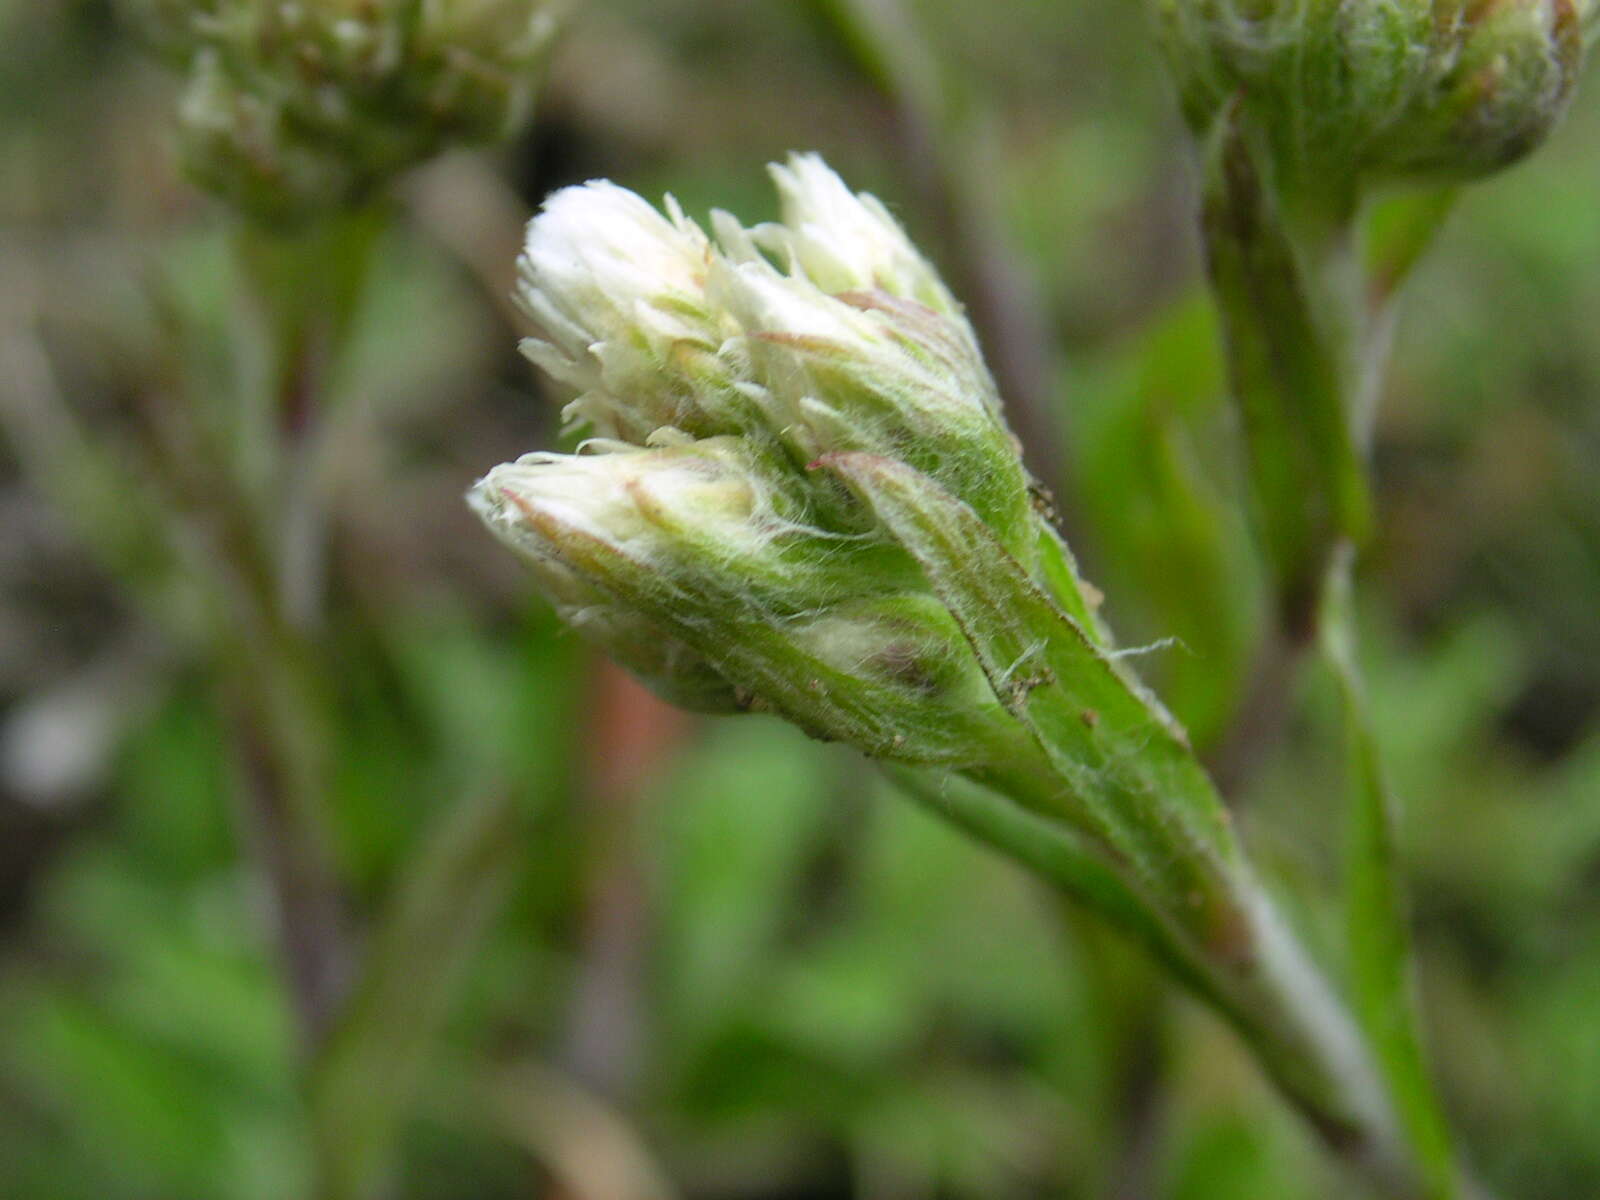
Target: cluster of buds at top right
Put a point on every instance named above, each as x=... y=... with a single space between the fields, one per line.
x=1379 y=90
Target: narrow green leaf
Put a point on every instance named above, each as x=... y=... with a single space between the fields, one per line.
x=1377 y=923
x=364 y=1079
x=1288 y=376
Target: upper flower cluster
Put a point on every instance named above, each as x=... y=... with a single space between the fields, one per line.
x=294 y=107
x=822 y=333
x=694 y=535
x=1371 y=89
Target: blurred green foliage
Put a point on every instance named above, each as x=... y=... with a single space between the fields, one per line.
x=801 y=987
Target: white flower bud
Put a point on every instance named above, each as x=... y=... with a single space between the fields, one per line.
x=871 y=371
x=579 y=521
x=688 y=564
x=671 y=669
x=857 y=347
x=618 y=292
x=602 y=272
x=629 y=499
x=715 y=520
x=845 y=241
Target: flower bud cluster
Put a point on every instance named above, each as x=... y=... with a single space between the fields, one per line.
x=1365 y=90
x=692 y=535
x=824 y=333
x=296 y=107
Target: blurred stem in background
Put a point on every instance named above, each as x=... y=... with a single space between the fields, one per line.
x=589 y=1148
x=363 y=1084
x=630 y=736
x=308 y=287
x=947 y=149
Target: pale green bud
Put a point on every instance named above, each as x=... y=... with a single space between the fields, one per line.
x=1342 y=92
x=686 y=509
x=911 y=688
x=530 y=506
x=298 y=107
x=667 y=665
x=1498 y=88
x=648 y=506
x=906 y=641
x=706 y=544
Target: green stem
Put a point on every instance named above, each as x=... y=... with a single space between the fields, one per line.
x=364 y=1080
x=1288 y=299
x=1263 y=985
x=273 y=768
x=1105 y=798
x=307 y=287
x=1307 y=321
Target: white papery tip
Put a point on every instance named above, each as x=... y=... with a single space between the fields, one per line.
x=598 y=255
x=848 y=241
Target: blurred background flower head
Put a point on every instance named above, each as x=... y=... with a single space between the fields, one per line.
x=1378 y=90
x=294 y=108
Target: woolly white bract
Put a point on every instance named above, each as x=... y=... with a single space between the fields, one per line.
x=617 y=291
